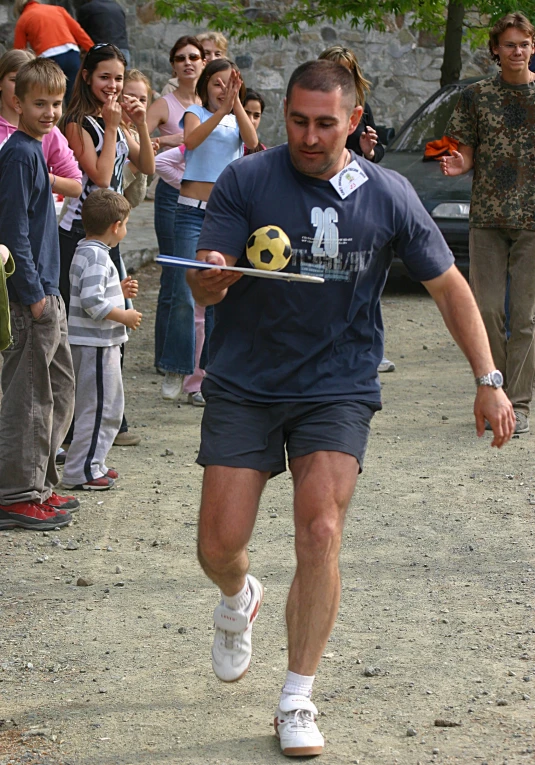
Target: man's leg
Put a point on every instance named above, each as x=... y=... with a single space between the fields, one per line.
x=489 y=252
x=324 y=484
x=229 y=506
x=521 y=347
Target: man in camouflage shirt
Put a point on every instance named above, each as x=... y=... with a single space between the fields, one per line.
x=494 y=123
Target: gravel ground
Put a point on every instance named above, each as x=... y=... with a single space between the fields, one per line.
x=432 y=656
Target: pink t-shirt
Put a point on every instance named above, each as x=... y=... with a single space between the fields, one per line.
x=58 y=154
x=170 y=166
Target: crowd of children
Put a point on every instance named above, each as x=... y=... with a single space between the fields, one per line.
x=66 y=307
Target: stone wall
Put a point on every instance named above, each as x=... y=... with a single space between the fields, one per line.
x=402 y=63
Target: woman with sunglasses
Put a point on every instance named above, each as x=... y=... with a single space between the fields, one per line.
x=187 y=60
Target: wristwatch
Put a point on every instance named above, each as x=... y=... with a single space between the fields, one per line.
x=493 y=379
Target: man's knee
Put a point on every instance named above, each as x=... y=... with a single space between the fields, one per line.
x=318 y=539
x=215 y=553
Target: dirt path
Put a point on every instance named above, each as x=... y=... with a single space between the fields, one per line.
x=437 y=618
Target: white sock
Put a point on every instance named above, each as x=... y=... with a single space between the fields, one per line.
x=240 y=601
x=298 y=685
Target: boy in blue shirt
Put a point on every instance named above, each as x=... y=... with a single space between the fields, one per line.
x=37 y=375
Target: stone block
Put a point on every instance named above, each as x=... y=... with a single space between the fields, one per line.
x=269 y=80
x=244 y=61
x=329 y=35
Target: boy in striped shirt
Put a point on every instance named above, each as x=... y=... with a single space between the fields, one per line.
x=97 y=328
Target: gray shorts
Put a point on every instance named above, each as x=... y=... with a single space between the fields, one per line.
x=239 y=433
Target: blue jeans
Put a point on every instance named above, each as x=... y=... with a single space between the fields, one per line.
x=178 y=354
x=165 y=201
x=69 y=63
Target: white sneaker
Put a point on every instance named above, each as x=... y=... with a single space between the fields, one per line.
x=296 y=727
x=196 y=399
x=386 y=365
x=231 y=651
x=172 y=385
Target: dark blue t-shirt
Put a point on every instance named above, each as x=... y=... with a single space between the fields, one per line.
x=28 y=225
x=275 y=341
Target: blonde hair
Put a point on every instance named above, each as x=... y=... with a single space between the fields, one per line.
x=347 y=58
x=19 y=6
x=216 y=37
x=136 y=75
x=42 y=73
x=12 y=60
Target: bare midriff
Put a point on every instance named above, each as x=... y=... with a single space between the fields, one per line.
x=196 y=190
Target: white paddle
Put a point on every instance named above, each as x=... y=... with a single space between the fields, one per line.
x=171 y=260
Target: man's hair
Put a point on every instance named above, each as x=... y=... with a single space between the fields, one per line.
x=254 y=95
x=325 y=77
x=516 y=20
x=216 y=37
x=102 y=209
x=42 y=74
x=347 y=58
x=181 y=43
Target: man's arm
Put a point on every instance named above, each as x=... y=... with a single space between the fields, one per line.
x=460 y=161
x=456 y=303
x=210 y=286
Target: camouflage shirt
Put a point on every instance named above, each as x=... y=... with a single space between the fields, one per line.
x=497 y=119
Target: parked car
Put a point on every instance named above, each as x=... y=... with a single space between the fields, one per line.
x=446 y=199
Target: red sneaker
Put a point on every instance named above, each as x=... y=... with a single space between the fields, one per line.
x=62 y=503
x=112 y=473
x=32 y=515
x=97 y=484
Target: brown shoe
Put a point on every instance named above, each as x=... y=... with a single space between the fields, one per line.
x=127 y=439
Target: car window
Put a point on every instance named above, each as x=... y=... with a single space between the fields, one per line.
x=429 y=124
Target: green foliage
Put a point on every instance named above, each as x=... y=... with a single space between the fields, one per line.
x=271 y=19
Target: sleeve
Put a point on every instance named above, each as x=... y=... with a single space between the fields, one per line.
x=20 y=34
x=92 y=285
x=59 y=156
x=463 y=122
x=419 y=243
x=16 y=181
x=170 y=166
x=367 y=117
x=226 y=225
x=81 y=37
x=193 y=109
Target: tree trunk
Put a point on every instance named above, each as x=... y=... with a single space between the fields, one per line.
x=451 y=64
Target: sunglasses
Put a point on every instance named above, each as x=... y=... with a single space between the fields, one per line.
x=99 y=46
x=181 y=57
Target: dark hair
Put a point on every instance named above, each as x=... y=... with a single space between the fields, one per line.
x=181 y=43
x=83 y=102
x=252 y=95
x=102 y=208
x=516 y=20
x=325 y=77
x=214 y=67
x=347 y=58
x=42 y=73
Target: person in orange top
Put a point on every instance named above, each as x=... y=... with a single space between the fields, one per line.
x=52 y=33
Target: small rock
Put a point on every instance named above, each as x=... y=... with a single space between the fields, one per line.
x=102 y=690
x=411 y=731
x=525 y=697
x=167 y=626
x=118 y=570
x=182 y=630
x=511 y=673
x=71 y=545
x=36 y=732
x=441 y=723
x=444 y=417
x=502 y=702
x=167 y=453
x=425 y=348
x=371 y=671
x=40 y=560
x=273 y=515
x=84 y=581
x=119 y=584
x=526 y=678
x=436 y=750
x=109 y=548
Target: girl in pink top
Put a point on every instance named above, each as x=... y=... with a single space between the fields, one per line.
x=64 y=173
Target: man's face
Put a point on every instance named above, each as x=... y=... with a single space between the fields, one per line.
x=514 y=50
x=39 y=112
x=317 y=125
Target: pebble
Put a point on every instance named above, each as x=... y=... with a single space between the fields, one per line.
x=525 y=697
x=425 y=348
x=167 y=453
x=411 y=732
x=71 y=545
x=436 y=750
x=118 y=570
x=84 y=581
x=182 y=630
x=444 y=417
x=371 y=671
x=102 y=690
x=167 y=626
x=119 y=584
x=501 y=703
x=273 y=515
x=441 y=723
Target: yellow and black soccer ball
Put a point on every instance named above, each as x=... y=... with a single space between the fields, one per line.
x=269 y=249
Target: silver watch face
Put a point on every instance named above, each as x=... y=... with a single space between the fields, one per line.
x=496 y=378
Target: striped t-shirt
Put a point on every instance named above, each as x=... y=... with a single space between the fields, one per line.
x=95 y=290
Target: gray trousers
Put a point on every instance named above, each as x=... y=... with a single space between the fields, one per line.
x=494 y=254
x=37 y=403
x=97 y=414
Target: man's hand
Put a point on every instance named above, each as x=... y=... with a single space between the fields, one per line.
x=213 y=280
x=4 y=253
x=493 y=405
x=129 y=287
x=38 y=308
x=453 y=165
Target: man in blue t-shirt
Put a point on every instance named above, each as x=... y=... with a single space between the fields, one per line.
x=295 y=365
